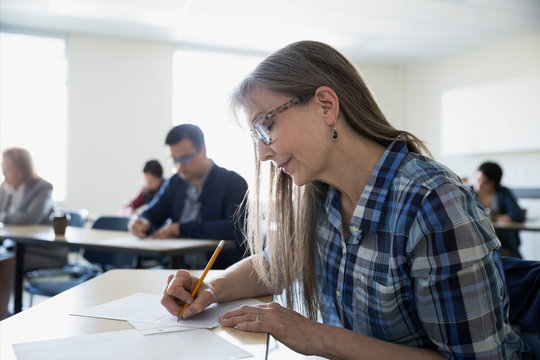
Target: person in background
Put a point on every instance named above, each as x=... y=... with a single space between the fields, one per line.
x=387 y=246
x=25 y=198
x=500 y=204
x=153 y=182
x=199 y=201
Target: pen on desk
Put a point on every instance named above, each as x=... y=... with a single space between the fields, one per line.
x=201 y=279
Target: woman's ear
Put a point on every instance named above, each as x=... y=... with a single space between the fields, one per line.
x=328 y=101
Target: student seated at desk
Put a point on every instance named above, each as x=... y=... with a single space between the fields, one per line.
x=500 y=204
x=387 y=245
x=25 y=199
x=200 y=201
x=153 y=182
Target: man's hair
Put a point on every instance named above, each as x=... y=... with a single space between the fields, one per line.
x=185 y=131
x=153 y=167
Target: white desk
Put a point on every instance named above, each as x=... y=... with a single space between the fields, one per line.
x=50 y=319
x=523 y=226
x=103 y=240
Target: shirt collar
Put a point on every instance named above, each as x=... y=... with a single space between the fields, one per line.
x=368 y=211
x=203 y=179
x=12 y=191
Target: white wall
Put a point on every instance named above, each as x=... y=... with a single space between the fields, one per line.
x=425 y=83
x=504 y=62
x=120 y=104
x=387 y=85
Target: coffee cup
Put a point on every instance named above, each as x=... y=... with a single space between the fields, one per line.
x=59 y=221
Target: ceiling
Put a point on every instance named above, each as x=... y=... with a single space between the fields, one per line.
x=382 y=31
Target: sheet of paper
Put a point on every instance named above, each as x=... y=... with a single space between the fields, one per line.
x=132 y=345
x=146 y=308
x=152 y=329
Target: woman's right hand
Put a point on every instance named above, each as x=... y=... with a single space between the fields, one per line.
x=177 y=292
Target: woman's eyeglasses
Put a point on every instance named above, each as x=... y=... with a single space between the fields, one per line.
x=262 y=125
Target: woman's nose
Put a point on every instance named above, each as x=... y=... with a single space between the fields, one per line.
x=265 y=151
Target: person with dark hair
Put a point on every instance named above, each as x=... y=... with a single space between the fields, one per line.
x=25 y=198
x=363 y=229
x=153 y=182
x=200 y=201
x=500 y=204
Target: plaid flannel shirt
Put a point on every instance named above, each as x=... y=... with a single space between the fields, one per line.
x=421 y=265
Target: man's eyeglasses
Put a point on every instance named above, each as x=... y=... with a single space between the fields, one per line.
x=262 y=125
x=183 y=160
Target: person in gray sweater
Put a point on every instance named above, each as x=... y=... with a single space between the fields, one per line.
x=25 y=198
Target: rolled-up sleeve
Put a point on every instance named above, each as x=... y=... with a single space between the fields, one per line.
x=459 y=282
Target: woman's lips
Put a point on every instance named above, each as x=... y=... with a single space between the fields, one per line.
x=283 y=166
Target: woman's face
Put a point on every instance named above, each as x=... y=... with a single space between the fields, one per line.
x=152 y=182
x=299 y=136
x=12 y=175
x=482 y=184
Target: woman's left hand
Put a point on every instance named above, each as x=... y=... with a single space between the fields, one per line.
x=287 y=326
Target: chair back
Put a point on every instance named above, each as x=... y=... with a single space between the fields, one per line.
x=109 y=260
x=111 y=223
x=77 y=218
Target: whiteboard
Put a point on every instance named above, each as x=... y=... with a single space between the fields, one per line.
x=491 y=118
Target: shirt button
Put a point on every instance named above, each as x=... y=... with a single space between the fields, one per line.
x=344 y=252
x=355 y=228
x=338 y=293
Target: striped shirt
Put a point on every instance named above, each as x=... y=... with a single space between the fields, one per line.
x=421 y=266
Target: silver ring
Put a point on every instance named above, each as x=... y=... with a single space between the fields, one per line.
x=257 y=317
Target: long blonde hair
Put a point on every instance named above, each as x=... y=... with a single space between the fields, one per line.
x=21 y=160
x=291 y=212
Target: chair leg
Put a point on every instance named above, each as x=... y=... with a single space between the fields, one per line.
x=7 y=266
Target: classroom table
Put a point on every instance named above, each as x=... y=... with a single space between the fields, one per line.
x=50 y=319
x=94 y=239
x=523 y=226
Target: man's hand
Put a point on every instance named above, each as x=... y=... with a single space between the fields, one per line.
x=139 y=227
x=168 y=231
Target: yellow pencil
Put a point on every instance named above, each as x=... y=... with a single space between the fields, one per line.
x=201 y=279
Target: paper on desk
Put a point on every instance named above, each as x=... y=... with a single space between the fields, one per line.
x=146 y=308
x=153 y=329
x=132 y=345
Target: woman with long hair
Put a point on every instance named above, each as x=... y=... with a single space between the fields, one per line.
x=362 y=228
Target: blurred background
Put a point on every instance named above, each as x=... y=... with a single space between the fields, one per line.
x=91 y=87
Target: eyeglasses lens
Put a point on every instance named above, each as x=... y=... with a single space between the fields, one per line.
x=183 y=160
x=263 y=133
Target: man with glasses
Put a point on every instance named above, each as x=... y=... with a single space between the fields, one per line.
x=199 y=201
